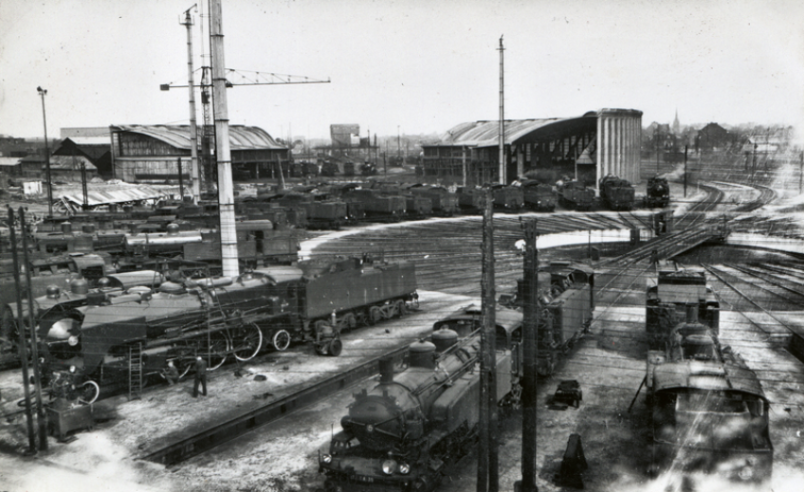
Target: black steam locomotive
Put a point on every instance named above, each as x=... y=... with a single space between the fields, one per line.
x=405 y=432
x=616 y=193
x=575 y=195
x=709 y=413
x=220 y=318
x=658 y=192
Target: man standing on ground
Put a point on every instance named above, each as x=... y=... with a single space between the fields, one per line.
x=200 y=376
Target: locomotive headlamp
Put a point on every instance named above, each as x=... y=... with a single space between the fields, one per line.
x=404 y=468
x=60 y=330
x=326 y=458
x=389 y=467
x=72 y=341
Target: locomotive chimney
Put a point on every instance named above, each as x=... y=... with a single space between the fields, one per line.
x=66 y=228
x=421 y=355
x=692 y=313
x=386 y=370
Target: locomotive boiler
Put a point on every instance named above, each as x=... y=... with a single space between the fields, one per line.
x=406 y=431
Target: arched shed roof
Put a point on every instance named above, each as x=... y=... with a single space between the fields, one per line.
x=241 y=137
x=485 y=133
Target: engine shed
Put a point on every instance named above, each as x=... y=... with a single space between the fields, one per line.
x=587 y=148
x=151 y=153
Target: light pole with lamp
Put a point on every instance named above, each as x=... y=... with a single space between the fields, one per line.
x=43 y=93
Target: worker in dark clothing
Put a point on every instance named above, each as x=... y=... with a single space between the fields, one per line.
x=200 y=376
x=171 y=374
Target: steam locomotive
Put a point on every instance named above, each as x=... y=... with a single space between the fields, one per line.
x=709 y=413
x=406 y=431
x=658 y=192
x=539 y=196
x=616 y=193
x=220 y=318
x=575 y=195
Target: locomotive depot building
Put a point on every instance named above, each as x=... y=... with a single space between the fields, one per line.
x=142 y=153
x=586 y=148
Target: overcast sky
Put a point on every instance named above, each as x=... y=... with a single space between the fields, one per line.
x=413 y=66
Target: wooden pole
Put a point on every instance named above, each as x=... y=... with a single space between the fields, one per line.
x=685 y=171
x=486 y=339
x=23 y=344
x=529 y=358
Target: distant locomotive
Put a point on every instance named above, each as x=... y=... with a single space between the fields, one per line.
x=221 y=317
x=508 y=198
x=709 y=413
x=405 y=433
x=539 y=196
x=670 y=294
x=616 y=193
x=329 y=168
x=444 y=203
x=658 y=192
x=575 y=195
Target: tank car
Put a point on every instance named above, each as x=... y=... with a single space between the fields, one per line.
x=404 y=433
x=575 y=195
x=708 y=411
x=616 y=193
x=658 y=192
x=539 y=196
x=222 y=317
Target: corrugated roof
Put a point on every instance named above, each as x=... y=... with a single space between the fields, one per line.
x=485 y=133
x=123 y=194
x=241 y=137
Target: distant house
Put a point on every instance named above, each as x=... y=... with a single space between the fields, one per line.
x=95 y=151
x=10 y=166
x=714 y=137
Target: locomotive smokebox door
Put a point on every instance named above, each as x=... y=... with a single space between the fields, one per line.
x=569 y=393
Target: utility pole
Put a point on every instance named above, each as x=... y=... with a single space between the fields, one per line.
x=222 y=151
x=43 y=93
x=40 y=409
x=463 y=164
x=23 y=344
x=503 y=177
x=181 y=180
x=529 y=358
x=685 y=171
x=801 y=173
x=194 y=173
x=487 y=463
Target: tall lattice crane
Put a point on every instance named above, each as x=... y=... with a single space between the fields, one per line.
x=205 y=171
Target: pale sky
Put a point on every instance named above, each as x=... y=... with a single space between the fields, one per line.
x=413 y=66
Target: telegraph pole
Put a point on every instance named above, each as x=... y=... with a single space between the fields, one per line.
x=487 y=462
x=685 y=171
x=801 y=173
x=503 y=177
x=23 y=344
x=40 y=409
x=43 y=93
x=529 y=358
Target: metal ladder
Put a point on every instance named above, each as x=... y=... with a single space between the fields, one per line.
x=135 y=371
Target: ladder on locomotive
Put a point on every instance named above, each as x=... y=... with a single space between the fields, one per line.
x=135 y=371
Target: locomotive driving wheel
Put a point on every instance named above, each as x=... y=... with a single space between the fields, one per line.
x=281 y=340
x=217 y=350
x=246 y=341
x=401 y=308
x=375 y=315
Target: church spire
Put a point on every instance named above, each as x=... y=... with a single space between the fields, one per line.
x=676 y=124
